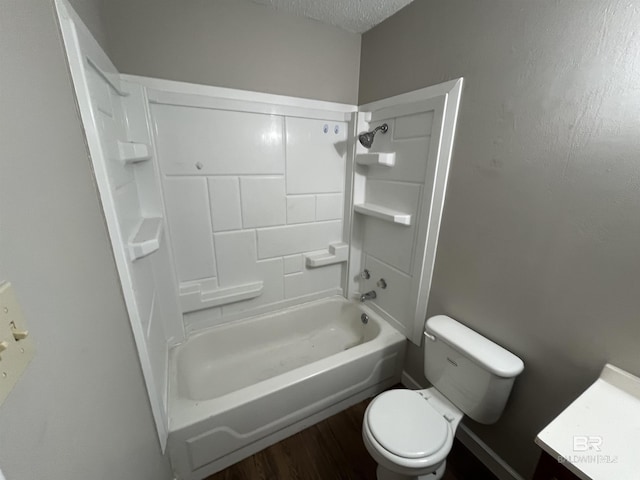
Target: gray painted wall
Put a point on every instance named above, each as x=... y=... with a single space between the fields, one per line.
x=539 y=241
x=92 y=14
x=236 y=44
x=80 y=411
x=538 y=247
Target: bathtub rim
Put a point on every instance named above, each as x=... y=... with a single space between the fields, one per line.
x=185 y=412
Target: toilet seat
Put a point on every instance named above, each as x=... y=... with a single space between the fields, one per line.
x=404 y=424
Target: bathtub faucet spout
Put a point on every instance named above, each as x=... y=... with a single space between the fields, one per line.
x=368 y=296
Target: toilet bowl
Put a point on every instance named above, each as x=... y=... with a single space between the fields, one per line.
x=409 y=433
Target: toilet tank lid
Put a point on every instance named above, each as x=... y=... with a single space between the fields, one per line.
x=483 y=351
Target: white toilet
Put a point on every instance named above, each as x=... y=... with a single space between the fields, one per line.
x=410 y=432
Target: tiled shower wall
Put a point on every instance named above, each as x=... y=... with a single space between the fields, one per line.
x=247 y=195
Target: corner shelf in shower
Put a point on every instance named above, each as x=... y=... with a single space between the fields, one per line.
x=193 y=298
x=132 y=152
x=371 y=159
x=383 y=213
x=337 y=253
x=146 y=239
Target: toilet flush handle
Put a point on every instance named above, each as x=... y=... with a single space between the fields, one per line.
x=430 y=337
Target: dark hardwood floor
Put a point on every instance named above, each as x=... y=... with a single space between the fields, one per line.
x=333 y=450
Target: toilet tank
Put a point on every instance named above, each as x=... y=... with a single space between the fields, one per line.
x=474 y=373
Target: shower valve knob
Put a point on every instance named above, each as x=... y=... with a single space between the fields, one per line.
x=382 y=283
x=365 y=274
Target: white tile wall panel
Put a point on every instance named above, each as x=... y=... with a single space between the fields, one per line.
x=263 y=201
x=329 y=206
x=380 y=234
x=128 y=208
x=137 y=130
x=410 y=126
x=293 y=264
x=315 y=159
x=158 y=351
x=301 y=209
x=411 y=156
x=135 y=114
x=187 y=203
x=119 y=174
x=220 y=142
x=236 y=257
x=395 y=299
x=290 y=239
x=144 y=287
x=167 y=291
x=201 y=319
x=312 y=280
x=100 y=92
x=224 y=197
x=271 y=272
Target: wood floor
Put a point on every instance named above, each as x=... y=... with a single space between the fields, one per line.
x=333 y=450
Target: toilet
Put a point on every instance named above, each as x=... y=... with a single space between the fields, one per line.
x=409 y=433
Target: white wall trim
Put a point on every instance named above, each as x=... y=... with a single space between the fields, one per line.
x=414 y=96
x=235 y=94
x=481 y=450
x=199 y=100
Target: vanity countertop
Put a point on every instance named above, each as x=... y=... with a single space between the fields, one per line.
x=598 y=435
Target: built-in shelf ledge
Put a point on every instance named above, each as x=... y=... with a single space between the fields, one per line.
x=132 y=152
x=147 y=239
x=383 y=213
x=369 y=159
x=192 y=298
x=337 y=253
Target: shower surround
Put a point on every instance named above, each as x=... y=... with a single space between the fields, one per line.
x=243 y=226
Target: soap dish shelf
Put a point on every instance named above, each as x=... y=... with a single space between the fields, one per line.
x=383 y=213
x=373 y=159
x=337 y=253
x=132 y=152
x=146 y=240
x=193 y=298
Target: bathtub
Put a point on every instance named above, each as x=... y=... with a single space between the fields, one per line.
x=238 y=388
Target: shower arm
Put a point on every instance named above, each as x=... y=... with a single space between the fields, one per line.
x=383 y=128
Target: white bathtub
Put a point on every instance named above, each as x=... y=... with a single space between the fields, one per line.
x=238 y=388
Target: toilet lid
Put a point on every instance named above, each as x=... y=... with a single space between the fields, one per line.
x=405 y=424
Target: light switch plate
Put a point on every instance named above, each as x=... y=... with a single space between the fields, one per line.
x=16 y=347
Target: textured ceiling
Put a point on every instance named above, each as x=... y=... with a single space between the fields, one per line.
x=355 y=16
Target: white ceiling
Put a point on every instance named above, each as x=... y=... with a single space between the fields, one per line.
x=355 y=16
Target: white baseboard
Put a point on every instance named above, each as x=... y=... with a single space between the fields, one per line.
x=481 y=450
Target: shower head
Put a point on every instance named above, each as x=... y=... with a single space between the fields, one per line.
x=366 y=139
